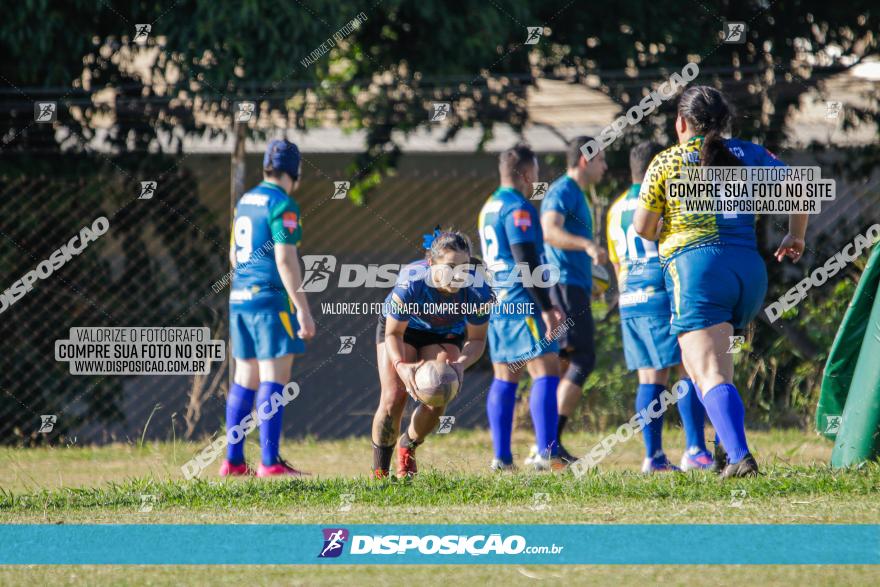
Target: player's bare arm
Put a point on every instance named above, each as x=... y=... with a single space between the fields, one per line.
x=394 y=347
x=647 y=223
x=793 y=244
x=552 y=223
x=287 y=259
x=473 y=348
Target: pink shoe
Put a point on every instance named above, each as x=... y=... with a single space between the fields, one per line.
x=279 y=469
x=227 y=469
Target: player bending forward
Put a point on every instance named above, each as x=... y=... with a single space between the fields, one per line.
x=265 y=331
x=648 y=345
x=407 y=336
x=510 y=231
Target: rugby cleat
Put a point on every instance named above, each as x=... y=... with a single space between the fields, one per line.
x=533 y=455
x=747 y=467
x=696 y=460
x=502 y=467
x=659 y=464
x=379 y=474
x=228 y=469
x=279 y=469
x=406 y=462
x=719 y=459
x=566 y=456
x=554 y=464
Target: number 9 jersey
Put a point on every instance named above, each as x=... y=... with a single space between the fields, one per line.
x=642 y=287
x=263 y=216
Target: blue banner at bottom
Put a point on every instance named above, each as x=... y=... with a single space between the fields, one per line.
x=439 y=544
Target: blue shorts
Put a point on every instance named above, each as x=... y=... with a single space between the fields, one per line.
x=648 y=343
x=714 y=284
x=264 y=335
x=514 y=339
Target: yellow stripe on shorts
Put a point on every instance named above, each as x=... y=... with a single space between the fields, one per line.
x=533 y=327
x=676 y=288
x=285 y=320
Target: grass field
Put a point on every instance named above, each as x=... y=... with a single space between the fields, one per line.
x=107 y=485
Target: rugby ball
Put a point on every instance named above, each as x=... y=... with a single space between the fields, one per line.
x=436 y=383
x=601 y=279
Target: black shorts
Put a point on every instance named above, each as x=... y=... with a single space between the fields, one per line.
x=575 y=302
x=420 y=338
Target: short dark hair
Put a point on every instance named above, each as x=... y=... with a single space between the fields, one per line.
x=512 y=161
x=640 y=157
x=573 y=151
x=273 y=173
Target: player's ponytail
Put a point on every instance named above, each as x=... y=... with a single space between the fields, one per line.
x=707 y=111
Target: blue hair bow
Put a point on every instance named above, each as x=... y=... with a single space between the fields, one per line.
x=428 y=239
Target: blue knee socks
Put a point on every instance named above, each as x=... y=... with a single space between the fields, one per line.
x=653 y=431
x=270 y=429
x=239 y=404
x=693 y=417
x=545 y=414
x=499 y=409
x=727 y=413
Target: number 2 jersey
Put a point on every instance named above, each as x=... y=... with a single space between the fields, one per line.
x=506 y=219
x=264 y=216
x=640 y=279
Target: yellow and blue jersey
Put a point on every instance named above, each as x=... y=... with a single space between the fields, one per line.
x=264 y=216
x=682 y=231
x=468 y=305
x=565 y=197
x=507 y=219
x=640 y=279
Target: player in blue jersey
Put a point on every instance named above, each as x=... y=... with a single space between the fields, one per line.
x=513 y=250
x=711 y=263
x=648 y=345
x=432 y=313
x=567 y=222
x=269 y=317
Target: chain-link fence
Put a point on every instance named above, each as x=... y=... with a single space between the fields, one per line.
x=163 y=251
